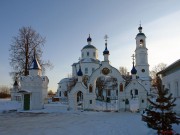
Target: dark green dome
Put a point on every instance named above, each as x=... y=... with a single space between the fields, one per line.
x=140 y=34
x=89 y=47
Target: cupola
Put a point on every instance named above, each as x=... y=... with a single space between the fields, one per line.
x=89 y=39
x=106 y=51
x=80 y=73
x=140 y=31
x=35 y=68
x=133 y=70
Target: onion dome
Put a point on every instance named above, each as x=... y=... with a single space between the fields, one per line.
x=16 y=83
x=89 y=39
x=89 y=46
x=106 y=50
x=35 y=64
x=133 y=71
x=140 y=31
x=79 y=73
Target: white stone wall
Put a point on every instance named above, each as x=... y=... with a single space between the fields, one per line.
x=62 y=87
x=91 y=51
x=37 y=86
x=89 y=65
x=142 y=95
x=172 y=82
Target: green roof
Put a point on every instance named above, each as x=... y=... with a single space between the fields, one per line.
x=89 y=47
x=140 y=34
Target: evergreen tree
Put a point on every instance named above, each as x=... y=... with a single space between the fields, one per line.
x=160 y=116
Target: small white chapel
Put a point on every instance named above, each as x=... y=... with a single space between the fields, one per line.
x=32 y=89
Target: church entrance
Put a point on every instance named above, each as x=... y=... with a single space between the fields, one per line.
x=26 y=102
x=106 y=93
x=79 y=100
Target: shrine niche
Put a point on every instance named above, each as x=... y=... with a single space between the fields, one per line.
x=90 y=88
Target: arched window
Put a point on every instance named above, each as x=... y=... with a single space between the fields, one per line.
x=87 y=53
x=176 y=89
x=60 y=93
x=121 y=87
x=141 y=43
x=94 y=54
x=136 y=92
x=86 y=70
x=90 y=88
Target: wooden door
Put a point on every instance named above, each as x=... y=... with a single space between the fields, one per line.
x=26 y=101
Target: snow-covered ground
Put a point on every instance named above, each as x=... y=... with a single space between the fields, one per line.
x=55 y=119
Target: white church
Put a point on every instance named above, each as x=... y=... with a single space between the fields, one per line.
x=94 y=81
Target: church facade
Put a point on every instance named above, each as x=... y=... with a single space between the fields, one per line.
x=94 y=81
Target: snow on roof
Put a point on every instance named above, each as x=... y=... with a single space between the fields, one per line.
x=87 y=60
x=170 y=67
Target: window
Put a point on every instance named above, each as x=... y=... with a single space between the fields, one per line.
x=87 y=53
x=90 y=101
x=176 y=89
x=141 y=43
x=142 y=100
x=60 y=93
x=143 y=70
x=86 y=70
x=90 y=88
x=94 y=54
x=82 y=55
x=136 y=92
x=121 y=87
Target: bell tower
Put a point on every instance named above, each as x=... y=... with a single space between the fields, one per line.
x=141 y=57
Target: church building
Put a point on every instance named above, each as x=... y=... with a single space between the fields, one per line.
x=94 y=82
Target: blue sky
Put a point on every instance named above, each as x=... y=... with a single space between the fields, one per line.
x=67 y=23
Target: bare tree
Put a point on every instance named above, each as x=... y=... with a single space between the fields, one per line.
x=4 y=92
x=159 y=67
x=22 y=49
x=123 y=71
x=51 y=93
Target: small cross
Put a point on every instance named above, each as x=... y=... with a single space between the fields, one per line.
x=106 y=37
x=133 y=57
x=80 y=61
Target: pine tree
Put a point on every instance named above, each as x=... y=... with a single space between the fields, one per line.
x=160 y=116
